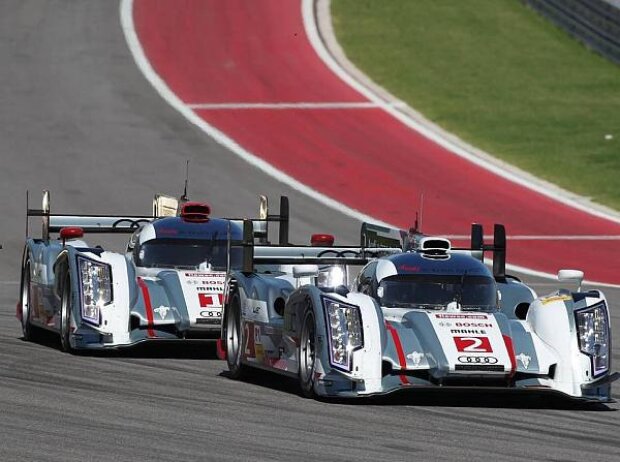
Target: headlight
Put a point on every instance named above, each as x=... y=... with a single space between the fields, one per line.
x=345 y=332
x=333 y=276
x=593 y=335
x=96 y=287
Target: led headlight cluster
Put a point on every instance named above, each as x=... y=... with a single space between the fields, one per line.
x=593 y=335
x=344 y=325
x=96 y=287
x=332 y=276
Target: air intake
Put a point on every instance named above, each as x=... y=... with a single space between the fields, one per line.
x=435 y=247
x=195 y=211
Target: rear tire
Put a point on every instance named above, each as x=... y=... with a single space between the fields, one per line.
x=65 y=316
x=307 y=355
x=234 y=339
x=30 y=332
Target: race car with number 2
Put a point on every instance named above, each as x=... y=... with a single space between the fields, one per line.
x=420 y=315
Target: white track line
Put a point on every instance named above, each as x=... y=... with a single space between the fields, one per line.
x=281 y=106
x=127 y=24
x=312 y=31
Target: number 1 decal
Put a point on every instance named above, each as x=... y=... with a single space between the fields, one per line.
x=473 y=344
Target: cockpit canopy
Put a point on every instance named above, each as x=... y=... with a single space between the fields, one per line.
x=413 y=280
x=436 y=291
x=176 y=242
x=186 y=254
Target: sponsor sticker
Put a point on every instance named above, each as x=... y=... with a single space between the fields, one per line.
x=255 y=310
x=461 y=316
x=162 y=311
x=468 y=331
x=555 y=298
x=214 y=277
x=524 y=359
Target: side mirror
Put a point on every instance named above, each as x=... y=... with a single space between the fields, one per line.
x=570 y=275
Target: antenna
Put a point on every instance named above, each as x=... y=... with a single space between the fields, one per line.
x=27 y=207
x=184 y=197
x=418 y=220
x=417 y=224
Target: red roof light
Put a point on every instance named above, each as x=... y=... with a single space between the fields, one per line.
x=71 y=232
x=326 y=240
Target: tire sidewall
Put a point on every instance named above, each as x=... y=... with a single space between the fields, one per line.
x=65 y=315
x=25 y=302
x=307 y=384
x=233 y=320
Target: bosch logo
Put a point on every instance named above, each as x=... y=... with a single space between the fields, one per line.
x=478 y=359
x=473 y=324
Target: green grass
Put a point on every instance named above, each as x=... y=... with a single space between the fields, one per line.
x=499 y=76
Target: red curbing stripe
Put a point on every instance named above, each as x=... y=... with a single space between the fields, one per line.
x=149 y=307
x=511 y=353
x=399 y=351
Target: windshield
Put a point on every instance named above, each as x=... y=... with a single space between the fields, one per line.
x=187 y=254
x=436 y=291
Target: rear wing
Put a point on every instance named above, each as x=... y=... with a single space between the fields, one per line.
x=286 y=254
x=381 y=236
x=53 y=223
x=163 y=206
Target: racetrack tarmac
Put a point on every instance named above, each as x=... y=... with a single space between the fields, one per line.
x=77 y=117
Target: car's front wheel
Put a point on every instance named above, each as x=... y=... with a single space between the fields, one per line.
x=28 y=330
x=307 y=354
x=234 y=338
x=65 y=315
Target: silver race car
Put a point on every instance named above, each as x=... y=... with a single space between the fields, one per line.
x=168 y=285
x=420 y=314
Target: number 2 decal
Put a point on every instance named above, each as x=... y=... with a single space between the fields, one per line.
x=473 y=344
x=249 y=351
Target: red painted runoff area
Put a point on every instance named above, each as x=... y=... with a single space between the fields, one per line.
x=212 y=52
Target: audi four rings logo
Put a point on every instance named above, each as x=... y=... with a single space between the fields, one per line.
x=478 y=359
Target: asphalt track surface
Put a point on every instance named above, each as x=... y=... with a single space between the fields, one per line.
x=78 y=118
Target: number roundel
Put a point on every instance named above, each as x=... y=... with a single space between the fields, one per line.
x=473 y=344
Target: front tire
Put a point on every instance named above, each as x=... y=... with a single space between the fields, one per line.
x=30 y=332
x=307 y=355
x=65 y=316
x=234 y=339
